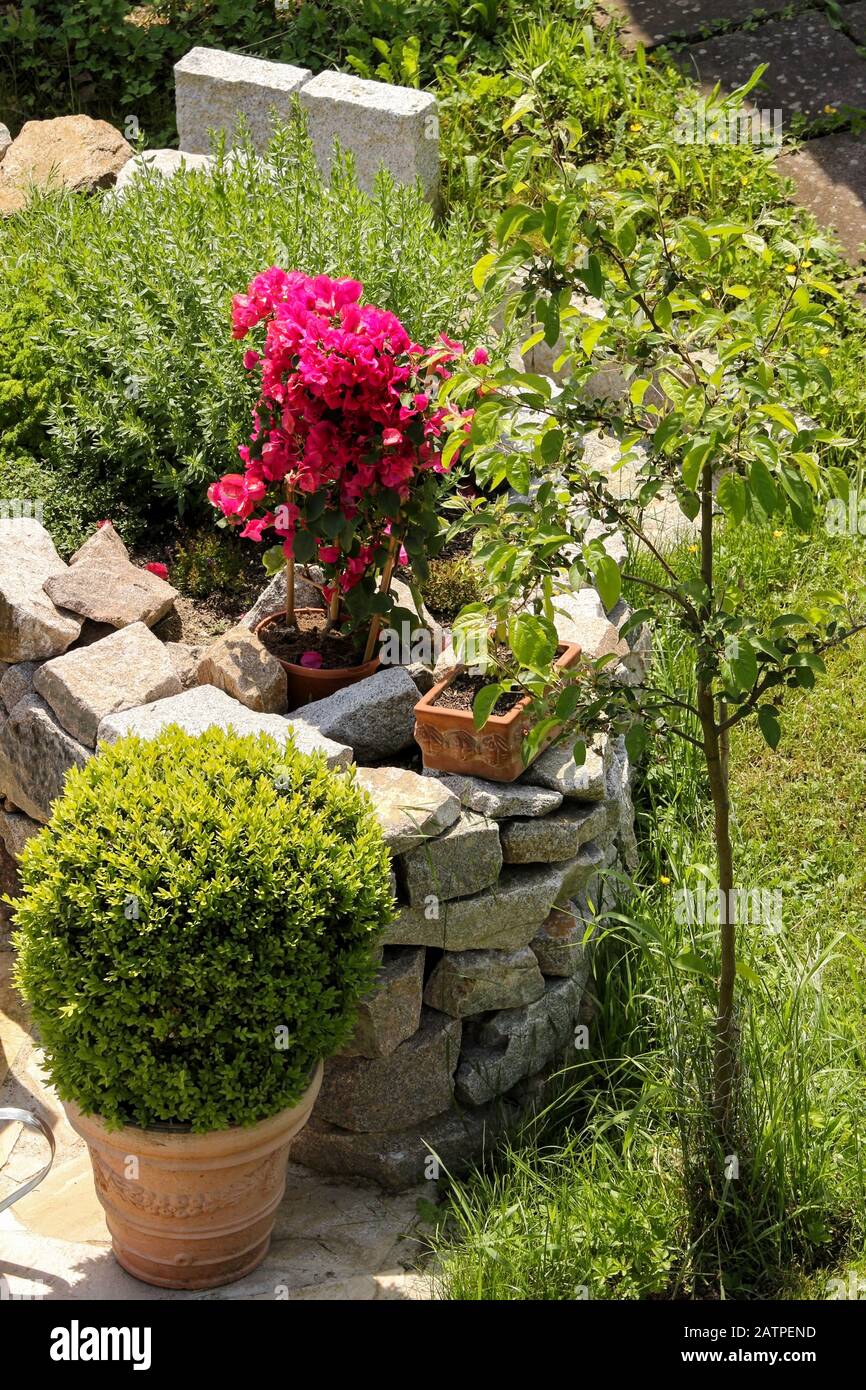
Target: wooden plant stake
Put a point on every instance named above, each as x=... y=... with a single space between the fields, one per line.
x=387 y=576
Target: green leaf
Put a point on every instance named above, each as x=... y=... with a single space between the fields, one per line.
x=693 y=462
x=782 y=416
x=763 y=487
x=608 y=580
x=746 y=973
x=484 y=703
x=592 y=276
x=482 y=269
x=769 y=725
x=305 y=547
x=533 y=640
x=273 y=560
x=551 y=445
x=578 y=752
x=567 y=702
x=731 y=497
x=590 y=336
x=693 y=963
x=636 y=741
x=521 y=108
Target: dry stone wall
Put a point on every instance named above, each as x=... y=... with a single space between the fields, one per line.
x=498 y=886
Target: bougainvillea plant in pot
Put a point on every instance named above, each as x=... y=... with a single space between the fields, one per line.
x=344 y=467
x=194 y=933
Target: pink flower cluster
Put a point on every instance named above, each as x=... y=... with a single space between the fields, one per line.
x=347 y=407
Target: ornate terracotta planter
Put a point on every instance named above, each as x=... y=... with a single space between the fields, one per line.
x=450 y=742
x=306 y=683
x=192 y=1211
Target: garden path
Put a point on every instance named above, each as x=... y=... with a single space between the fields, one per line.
x=816 y=51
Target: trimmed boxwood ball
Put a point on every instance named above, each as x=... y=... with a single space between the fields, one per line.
x=196 y=926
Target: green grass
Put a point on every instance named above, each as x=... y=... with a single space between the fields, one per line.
x=622 y=1181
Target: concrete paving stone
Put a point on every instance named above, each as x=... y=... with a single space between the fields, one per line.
x=829 y=177
x=811 y=65
x=652 y=21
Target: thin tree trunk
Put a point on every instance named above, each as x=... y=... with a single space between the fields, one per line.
x=716 y=754
x=725 y=1049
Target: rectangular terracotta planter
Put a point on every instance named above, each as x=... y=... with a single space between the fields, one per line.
x=449 y=741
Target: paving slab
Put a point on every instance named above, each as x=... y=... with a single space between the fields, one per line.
x=829 y=177
x=811 y=65
x=652 y=21
x=854 y=21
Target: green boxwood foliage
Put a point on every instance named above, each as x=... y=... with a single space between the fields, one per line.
x=195 y=927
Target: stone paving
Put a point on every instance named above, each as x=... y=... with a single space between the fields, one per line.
x=332 y=1240
x=816 y=69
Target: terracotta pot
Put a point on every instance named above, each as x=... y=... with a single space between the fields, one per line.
x=450 y=742
x=306 y=683
x=192 y=1211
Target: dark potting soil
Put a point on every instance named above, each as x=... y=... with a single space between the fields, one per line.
x=460 y=693
x=290 y=643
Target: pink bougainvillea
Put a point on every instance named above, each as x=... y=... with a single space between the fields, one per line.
x=347 y=438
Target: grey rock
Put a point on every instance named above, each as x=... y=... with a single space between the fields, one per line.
x=409 y=808
x=103 y=547
x=445 y=663
x=517 y=1042
x=213 y=89
x=375 y=717
x=402 y=1089
x=15 y=830
x=273 y=599
x=129 y=668
x=383 y=126
x=422 y=676
x=581 y=618
x=453 y=1141
x=164 y=164
x=634 y=667
x=36 y=753
x=557 y=769
x=5 y=139
x=391 y=1012
x=205 y=707
x=32 y=627
x=184 y=657
x=16 y=683
x=619 y=779
x=471 y=982
x=559 y=943
x=9 y=885
x=242 y=666
x=498 y=800
x=465 y=859
x=580 y=874
x=548 y=839
x=503 y=918
x=111 y=591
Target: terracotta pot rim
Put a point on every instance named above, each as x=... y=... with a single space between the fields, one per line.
x=316 y=672
x=215 y=1144
x=568 y=653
